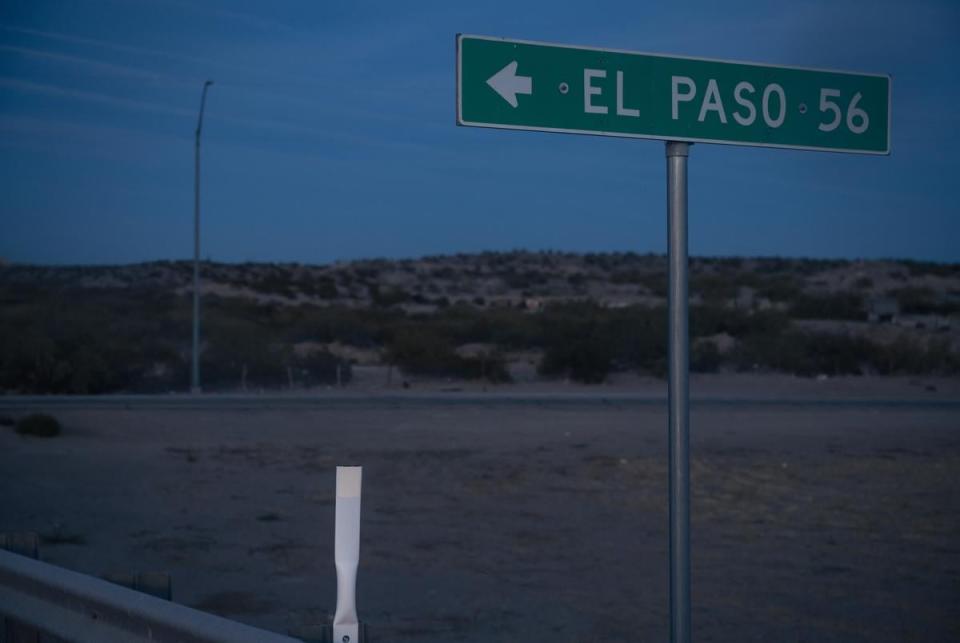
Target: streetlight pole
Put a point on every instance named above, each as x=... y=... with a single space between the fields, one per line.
x=195 y=371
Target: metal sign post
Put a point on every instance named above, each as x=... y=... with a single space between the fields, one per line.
x=679 y=393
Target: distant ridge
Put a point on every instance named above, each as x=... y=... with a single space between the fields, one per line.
x=490 y=316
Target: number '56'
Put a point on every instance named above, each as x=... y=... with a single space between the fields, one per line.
x=857 y=119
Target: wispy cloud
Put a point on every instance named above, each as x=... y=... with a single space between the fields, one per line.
x=103 y=44
x=195 y=62
x=19 y=85
x=302 y=132
x=99 y=66
x=237 y=17
x=263 y=80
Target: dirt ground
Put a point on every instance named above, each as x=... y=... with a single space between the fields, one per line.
x=508 y=522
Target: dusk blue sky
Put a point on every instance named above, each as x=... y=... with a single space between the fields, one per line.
x=330 y=134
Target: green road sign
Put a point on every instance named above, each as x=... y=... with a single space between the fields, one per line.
x=516 y=84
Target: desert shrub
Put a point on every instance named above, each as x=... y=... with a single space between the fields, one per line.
x=366 y=272
x=34 y=363
x=419 y=352
x=523 y=280
x=588 y=360
x=705 y=357
x=576 y=279
x=463 y=324
x=352 y=326
x=775 y=287
x=638 y=338
x=626 y=277
x=320 y=367
x=29 y=362
x=655 y=282
x=274 y=283
x=710 y=319
x=459 y=323
x=586 y=341
x=842 y=306
x=907 y=356
x=514 y=328
x=428 y=349
x=38 y=425
x=712 y=287
x=491 y=367
x=807 y=353
x=323 y=287
x=575 y=342
x=729 y=263
x=919 y=268
x=88 y=372
x=86 y=341
x=233 y=346
x=772 y=264
x=916 y=300
x=387 y=297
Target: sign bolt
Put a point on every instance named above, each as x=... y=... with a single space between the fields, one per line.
x=564 y=88
x=803 y=108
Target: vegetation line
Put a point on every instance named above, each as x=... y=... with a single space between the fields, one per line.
x=494 y=317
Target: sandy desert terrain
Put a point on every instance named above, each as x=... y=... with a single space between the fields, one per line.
x=497 y=520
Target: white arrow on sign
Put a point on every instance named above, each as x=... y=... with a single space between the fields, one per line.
x=506 y=83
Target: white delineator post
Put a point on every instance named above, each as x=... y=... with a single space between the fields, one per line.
x=346 y=626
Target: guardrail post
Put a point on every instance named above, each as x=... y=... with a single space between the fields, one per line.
x=75 y=607
x=25 y=544
x=28 y=544
x=154 y=583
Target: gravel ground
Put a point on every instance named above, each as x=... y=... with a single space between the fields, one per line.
x=487 y=522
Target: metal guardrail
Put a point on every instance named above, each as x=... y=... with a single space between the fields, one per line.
x=84 y=609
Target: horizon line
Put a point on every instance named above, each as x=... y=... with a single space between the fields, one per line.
x=7 y=263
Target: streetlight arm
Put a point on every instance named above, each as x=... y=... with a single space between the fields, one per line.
x=203 y=103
